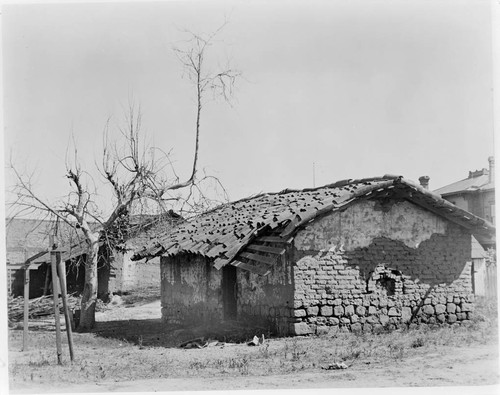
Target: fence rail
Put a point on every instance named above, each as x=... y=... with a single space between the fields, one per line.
x=491 y=280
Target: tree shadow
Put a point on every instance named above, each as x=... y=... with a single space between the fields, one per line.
x=143 y=333
x=155 y=333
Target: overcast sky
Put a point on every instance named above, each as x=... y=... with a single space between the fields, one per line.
x=359 y=88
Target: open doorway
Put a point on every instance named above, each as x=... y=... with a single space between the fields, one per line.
x=229 y=292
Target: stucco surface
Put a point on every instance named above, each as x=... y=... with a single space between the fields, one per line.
x=361 y=222
x=190 y=290
x=267 y=299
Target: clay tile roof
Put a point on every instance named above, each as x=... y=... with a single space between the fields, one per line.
x=228 y=231
x=144 y=228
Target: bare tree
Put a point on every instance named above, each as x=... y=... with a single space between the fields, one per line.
x=132 y=175
x=135 y=171
x=220 y=84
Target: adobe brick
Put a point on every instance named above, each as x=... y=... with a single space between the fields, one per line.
x=428 y=309
x=440 y=308
x=393 y=312
x=326 y=311
x=361 y=310
x=338 y=311
x=372 y=310
x=349 y=310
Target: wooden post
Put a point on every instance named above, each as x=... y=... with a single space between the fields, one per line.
x=47 y=280
x=61 y=265
x=55 y=294
x=26 y=304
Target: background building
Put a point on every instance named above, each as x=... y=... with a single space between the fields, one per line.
x=475 y=194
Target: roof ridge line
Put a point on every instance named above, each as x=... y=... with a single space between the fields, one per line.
x=341 y=183
x=385 y=177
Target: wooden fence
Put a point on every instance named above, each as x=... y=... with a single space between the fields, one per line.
x=490 y=280
x=484 y=277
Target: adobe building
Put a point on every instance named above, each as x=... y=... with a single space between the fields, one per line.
x=356 y=254
x=476 y=194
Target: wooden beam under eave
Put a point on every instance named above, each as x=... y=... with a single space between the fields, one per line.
x=259 y=258
x=273 y=239
x=253 y=267
x=266 y=249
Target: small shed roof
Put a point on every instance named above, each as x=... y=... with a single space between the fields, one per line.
x=251 y=232
x=27 y=237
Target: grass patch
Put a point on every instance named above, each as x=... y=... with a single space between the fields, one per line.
x=100 y=359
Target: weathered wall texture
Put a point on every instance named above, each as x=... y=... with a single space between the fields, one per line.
x=190 y=290
x=459 y=201
x=361 y=222
x=267 y=300
x=377 y=265
x=481 y=203
x=146 y=274
x=126 y=275
x=192 y=294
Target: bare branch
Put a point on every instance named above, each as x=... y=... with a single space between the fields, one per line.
x=221 y=83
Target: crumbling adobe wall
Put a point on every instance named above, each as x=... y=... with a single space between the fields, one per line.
x=146 y=274
x=266 y=301
x=380 y=264
x=190 y=293
x=126 y=274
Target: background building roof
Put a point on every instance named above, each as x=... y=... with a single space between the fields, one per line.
x=27 y=237
x=479 y=182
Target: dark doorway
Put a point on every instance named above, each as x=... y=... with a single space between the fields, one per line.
x=229 y=291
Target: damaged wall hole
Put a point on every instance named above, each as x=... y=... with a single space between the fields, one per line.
x=386 y=286
x=383 y=281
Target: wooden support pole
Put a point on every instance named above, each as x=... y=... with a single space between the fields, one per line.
x=26 y=306
x=61 y=266
x=47 y=280
x=55 y=294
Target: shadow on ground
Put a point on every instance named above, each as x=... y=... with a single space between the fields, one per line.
x=154 y=333
x=149 y=332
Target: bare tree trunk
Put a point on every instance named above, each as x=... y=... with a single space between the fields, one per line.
x=89 y=295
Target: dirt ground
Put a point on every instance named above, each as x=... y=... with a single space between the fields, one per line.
x=469 y=365
x=476 y=366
